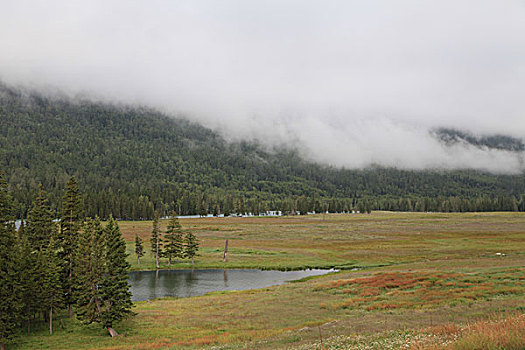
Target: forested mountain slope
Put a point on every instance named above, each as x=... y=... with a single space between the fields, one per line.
x=131 y=161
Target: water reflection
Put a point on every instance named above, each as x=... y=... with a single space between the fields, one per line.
x=147 y=285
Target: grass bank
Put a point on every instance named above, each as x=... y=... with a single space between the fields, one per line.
x=343 y=241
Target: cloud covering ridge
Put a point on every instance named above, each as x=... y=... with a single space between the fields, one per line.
x=349 y=83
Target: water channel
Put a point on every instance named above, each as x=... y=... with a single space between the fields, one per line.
x=147 y=285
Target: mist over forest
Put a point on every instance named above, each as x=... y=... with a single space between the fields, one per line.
x=357 y=102
x=347 y=84
x=132 y=161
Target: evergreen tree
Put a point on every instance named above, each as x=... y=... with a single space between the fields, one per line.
x=70 y=223
x=156 y=240
x=89 y=272
x=174 y=244
x=368 y=207
x=202 y=207
x=101 y=288
x=10 y=297
x=361 y=206
x=241 y=208
x=191 y=246
x=28 y=265
x=40 y=226
x=50 y=291
x=139 y=248
x=302 y=205
x=115 y=287
x=38 y=260
x=228 y=205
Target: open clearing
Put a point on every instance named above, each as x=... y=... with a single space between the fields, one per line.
x=423 y=278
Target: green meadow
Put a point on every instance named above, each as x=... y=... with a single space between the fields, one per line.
x=406 y=280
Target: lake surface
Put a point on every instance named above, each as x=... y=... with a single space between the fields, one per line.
x=147 y=285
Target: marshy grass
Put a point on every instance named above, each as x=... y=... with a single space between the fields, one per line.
x=420 y=276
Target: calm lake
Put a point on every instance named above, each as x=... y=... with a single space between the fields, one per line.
x=147 y=285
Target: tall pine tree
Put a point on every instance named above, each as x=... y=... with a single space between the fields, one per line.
x=174 y=245
x=101 y=275
x=115 y=287
x=10 y=298
x=89 y=272
x=28 y=264
x=139 y=248
x=40 y=275
x=70 y=223
x=191 y=246
x=40 y=226
x=156 y=240
x=51 y=292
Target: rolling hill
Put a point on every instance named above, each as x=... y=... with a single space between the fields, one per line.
x=130 y=161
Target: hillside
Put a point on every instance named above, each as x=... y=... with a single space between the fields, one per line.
x=131 y=161
x=501 y=142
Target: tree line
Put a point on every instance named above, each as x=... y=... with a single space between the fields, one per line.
x=75 y=266
x=239 y=205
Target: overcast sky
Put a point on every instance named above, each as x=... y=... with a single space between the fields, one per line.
x=351 y=83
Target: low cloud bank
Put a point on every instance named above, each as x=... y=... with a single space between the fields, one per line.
x=348 y=83
x=361 y=143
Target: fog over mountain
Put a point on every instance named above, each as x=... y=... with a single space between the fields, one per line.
x=349 y=83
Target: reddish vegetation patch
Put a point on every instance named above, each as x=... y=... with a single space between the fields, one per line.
x=154 y=345
x=424 y=289
x=207 y=340
x=367 y=292
x=391 y=280
x=505 y=334
x=444 y=329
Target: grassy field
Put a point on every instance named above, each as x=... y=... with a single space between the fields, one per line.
x=424 y=281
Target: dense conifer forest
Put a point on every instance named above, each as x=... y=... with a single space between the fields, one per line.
x=133 y=161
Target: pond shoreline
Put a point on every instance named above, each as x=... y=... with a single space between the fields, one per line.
x=264 y=268
x=149 y=285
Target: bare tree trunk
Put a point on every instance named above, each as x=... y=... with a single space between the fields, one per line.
x=169 y=261
x=93 y=289
x=28 y=321
x=70 y=278
x=112 y=332
x=2 y=346
x=157 y=255
x=51 y=320
x=192 y=260
x=138 y=260
x=225 y=251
